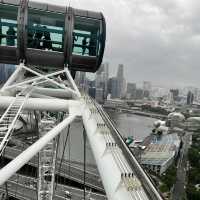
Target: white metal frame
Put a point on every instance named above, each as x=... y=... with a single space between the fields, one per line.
x=119 y=180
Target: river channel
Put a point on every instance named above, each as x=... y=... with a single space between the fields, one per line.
x=128 y=124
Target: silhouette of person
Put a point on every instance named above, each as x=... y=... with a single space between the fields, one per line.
x=47 y=43
x=30 y=39
x=10 y=40
x=38 y=37
x=92 y=45
x=84 y=43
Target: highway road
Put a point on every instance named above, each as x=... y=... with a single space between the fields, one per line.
x=179 y=187
x=68 y=170
x=24 y=188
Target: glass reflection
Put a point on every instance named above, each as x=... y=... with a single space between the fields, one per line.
x=45 y=30
x=8 y=25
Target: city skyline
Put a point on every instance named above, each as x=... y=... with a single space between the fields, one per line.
x=156 y=41
x=140 y=82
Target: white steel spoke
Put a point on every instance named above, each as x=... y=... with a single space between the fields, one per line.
x=7 y=171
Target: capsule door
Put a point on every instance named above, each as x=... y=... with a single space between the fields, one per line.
x=45 y=38
x=86 y=44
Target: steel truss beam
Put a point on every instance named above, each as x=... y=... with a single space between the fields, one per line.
x=119 y=178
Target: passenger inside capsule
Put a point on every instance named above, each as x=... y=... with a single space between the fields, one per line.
x=11 y=35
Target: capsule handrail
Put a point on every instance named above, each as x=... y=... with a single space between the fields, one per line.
x=50 y=30
x=42 y=40
x=8 y=24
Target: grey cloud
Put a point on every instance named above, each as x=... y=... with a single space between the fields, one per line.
x=155 y=40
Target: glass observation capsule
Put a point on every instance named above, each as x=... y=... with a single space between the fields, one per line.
x=51 y=35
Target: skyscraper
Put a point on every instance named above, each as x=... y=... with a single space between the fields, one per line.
x=114 y=87
x=102 y=76
x=175 y=93
x=5 y=72
x=121 y=82
x=190 y=98
x=131 y=90
x=147 y=86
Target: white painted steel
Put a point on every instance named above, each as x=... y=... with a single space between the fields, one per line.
x=72 y=82
x=7 y=171
x=106 y=162
x=60 y=93
x=141 y=170
x=46 y=76
x=43 y=104
x=41 y=77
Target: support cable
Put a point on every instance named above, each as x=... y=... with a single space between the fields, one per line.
x=63 y=153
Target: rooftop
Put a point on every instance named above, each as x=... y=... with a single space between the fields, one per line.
x=160 y=149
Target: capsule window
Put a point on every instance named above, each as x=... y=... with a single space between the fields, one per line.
x=45 y=30
x=86 y=36
x=8 y=25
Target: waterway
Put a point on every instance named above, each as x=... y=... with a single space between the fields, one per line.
x=128 y=124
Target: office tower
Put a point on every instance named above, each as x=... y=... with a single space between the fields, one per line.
x=121 y=82
x=147 y=86
x=114 y=87
x=190 y=98
x=175 y=93
x=99 y=95
x=102 y=76
x=131 y=90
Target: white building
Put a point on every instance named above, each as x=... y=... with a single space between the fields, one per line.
x=160 y=153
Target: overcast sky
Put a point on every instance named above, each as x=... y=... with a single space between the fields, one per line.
x=156 y=40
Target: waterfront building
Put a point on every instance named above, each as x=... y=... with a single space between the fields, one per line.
x=160 y=152
x=101 y=80
x=139 y=94
x=175 y=93
x=190 y=98
x=121 y=82
x=114 y=87
x=92 y=92
x=131 y=89
x=147 y=86
x=147 y=89
x=5 y=71
x=99 y=95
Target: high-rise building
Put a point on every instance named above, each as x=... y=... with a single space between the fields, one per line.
x=121 y=82
x=2 y=73
x=106 y=70
x=99 y=95
x=113 y=87
x=147 y=86
x=102 y=76
x=190 y=98
x=131 y=90
x=139 y=94
x=175 y=93
x=92 y=92
x=5 y=72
